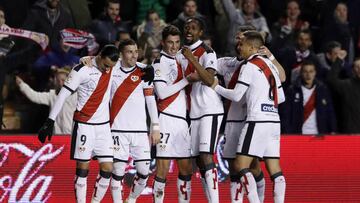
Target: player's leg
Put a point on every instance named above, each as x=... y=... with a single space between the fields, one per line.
x=231 y=140
x=209 y=130
x=104 y=152
x=272 y=162
x=81 y=149
x=162 y=168
x=121 y=156
x=184 y=180
x=255 y=169
x=140 y=151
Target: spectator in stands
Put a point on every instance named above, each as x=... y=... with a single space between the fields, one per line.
x=144 y=6
x=283 y=31
x=248 y=14
x=292 y=57
x=308 y=108
x=63 y=123
x=48 y=17
x=59 y=56
x=338 y=29
x=190 y=10
x=149 y=33
x=109 y=24
x=331 y=53
x=121 y=35
x=347 y=91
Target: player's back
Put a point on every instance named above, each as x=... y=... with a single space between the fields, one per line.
x=229 y=68
x=169 y=72
x=93 y=90
x=261 y=97
x=203 y=99
x=127 y=112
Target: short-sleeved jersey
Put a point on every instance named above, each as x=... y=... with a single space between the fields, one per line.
x=261 y=105
x=93 y=90
x=128 y=91
x=168 y=71
x=229 y=68
x=203 y=99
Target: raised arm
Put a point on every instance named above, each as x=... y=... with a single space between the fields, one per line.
x=32 y=95
x=231 y=11
x=266 y=52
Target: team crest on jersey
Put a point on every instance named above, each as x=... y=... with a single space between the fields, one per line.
x=134 y=78
x=82 y=149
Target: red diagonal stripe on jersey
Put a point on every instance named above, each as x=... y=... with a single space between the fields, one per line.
x=164 y=103
x=123 y=92
x=309 y=106
x=94 y=100
x=190 y=69
x=269 y=76
x=231 y=85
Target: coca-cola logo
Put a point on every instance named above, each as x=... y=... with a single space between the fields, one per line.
x=29 y=178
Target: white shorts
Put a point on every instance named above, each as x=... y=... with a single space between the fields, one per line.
x=260 y=139
x=134 y=144
x=91 y=141
x=204 y=134
x=175 y=138
x=232 y=136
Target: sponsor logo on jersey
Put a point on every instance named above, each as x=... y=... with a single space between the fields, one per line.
x=157 y=72
x=134 y=78
x=268 y=108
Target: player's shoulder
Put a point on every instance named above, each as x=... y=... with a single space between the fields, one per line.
x=207 y=49
x=227 y=60
x=141 y=65
x=79 y=67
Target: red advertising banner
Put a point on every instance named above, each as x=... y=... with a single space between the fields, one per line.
x=317 y=169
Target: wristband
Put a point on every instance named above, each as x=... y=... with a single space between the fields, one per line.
x=155 y=126
x=271 y=58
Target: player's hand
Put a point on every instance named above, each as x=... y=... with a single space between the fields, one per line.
x=86 y=60
x=342 y=54
x=215 y=83
x=18 y=80
x=46 y=130
x=155 y=134
x=148 y=74
x=264 y=51
x=193 y=77
x=187 y=53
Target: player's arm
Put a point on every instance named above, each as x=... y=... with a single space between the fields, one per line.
x=266 y=52
x=32 y=95
x=71 y=84
x=242 y=85
x=206 y=75
x=153 y=113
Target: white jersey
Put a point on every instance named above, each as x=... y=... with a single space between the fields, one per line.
x=169 y=72
x=93 y=90
x=229 y=68
x=128 y=91
x=260 y=95
x=203 y=99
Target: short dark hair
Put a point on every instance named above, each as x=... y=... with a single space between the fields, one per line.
x=188 y=1
x=110 y=51
x=306 y=31
x=108 y=2
x=126 y=42
x=170 y=30
x=331 y=45
x=307 y=63
x=255 y=38
x=199 y=21
x=244 y=28
x=149 y=12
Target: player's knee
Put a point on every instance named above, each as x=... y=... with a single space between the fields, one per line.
x=82 y=165
x=143 y=167
x=119 y=168
x=185 y=167
x=162 y=168
x=82 y=172
x=105 y=174
x=206 y=158
x=106 y=166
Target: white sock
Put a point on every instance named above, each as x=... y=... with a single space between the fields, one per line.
x=279 y=187
x=159 y=189
x=260 y=186
x=80 y=189
x=212 y=183
x=184 y=188
x=204 y=185
x=101 y=186
x=116 y=188
x=249 y=185
x=138 y=186
x=236 y=189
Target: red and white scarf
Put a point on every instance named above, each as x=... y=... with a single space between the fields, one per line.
x=79 y=39
x=39 y=38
